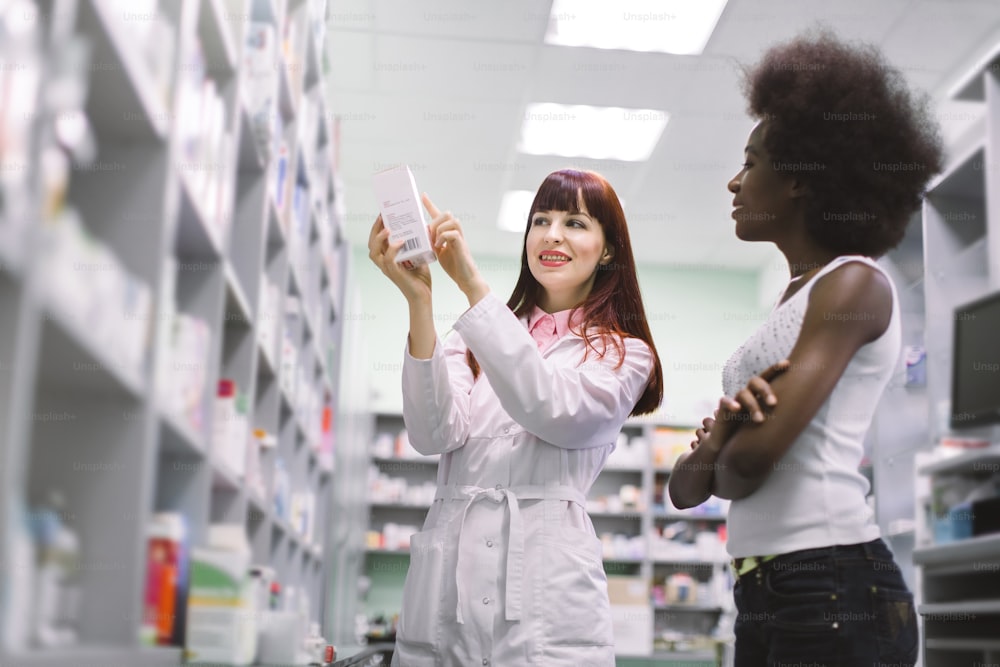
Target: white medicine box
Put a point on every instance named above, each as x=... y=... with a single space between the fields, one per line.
x=402 y=214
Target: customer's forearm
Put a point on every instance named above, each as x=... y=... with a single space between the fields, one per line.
x=693 y=476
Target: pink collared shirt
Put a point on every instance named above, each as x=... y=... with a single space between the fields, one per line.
x=547 y=328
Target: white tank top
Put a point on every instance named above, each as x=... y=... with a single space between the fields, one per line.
x=814 y=496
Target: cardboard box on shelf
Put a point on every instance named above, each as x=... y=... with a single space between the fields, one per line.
x=628 y=590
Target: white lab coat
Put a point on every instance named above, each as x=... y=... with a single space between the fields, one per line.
x=507 y=570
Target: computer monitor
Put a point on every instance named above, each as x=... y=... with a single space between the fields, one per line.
x=975 y=379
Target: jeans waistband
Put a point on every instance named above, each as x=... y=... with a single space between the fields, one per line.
x=868 y=550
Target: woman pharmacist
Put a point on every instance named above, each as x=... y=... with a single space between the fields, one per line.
x=524 y=410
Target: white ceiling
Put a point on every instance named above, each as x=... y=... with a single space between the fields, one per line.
x=442 y=85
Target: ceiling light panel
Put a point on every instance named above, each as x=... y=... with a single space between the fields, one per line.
x=681 y=27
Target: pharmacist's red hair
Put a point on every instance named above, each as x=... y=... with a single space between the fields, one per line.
x=613 y=310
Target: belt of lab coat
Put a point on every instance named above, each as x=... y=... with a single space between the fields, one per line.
x=515 y=541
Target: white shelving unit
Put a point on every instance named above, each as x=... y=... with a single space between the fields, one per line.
x=386 y=565
x=80 y=415
x=959 y=582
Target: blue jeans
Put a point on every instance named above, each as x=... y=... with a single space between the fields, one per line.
x=839 y=606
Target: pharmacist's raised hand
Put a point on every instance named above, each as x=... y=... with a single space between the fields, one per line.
x=451 y=249
x=414 y=283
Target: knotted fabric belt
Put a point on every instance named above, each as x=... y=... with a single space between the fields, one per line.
x=515 y=541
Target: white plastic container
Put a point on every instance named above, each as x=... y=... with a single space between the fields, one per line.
x=222 y=605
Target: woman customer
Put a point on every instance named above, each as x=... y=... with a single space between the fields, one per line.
x=833 y=170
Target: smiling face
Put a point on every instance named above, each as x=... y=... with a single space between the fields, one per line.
x=763 y=199
x=564 y=249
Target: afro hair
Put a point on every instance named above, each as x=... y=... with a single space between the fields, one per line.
x=844 y=122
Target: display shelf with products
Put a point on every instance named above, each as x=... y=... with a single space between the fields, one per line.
x=140 y=384
x=956 y=533
x=124 y=81
x=685 y=658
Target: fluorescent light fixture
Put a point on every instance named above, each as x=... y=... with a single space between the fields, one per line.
x=599 y=133
x=666 y=26
x=514 y=209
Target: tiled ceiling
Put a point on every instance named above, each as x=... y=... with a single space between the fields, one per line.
x=442 y=85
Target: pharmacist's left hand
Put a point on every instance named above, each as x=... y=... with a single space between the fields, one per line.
x=414 y=283
x=449 y=245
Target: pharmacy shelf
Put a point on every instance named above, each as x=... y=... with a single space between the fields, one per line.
x=238 y=305
x=179 y=438
x=687 y=658
x=947 y=609
x=284 y=527
x=688 y=607
x=984 y=548
x=266 y=367
x=970 y=87
x=195 y=239
x=121 y=86
x=625 y=560
x=964 y=644
x=635 y=515
x=250 y=157
x=286 y=101
x=95 y=655
x=142 y=202
x=689 y=562
x=276 y=232
x=689 y=516
x=296 y=281
x=301 y=169
x=313 y=66
x=399 y=506
x=12 y=240
x=224 y=477
x=399 y=460
x=983 y=461
x=217 y=40
x=961 y=262
x=258 y=505
x=287 y=403
x=72 y=348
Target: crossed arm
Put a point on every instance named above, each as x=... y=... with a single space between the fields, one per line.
x=735 y=453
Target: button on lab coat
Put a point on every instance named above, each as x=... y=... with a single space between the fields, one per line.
x=507 y=570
